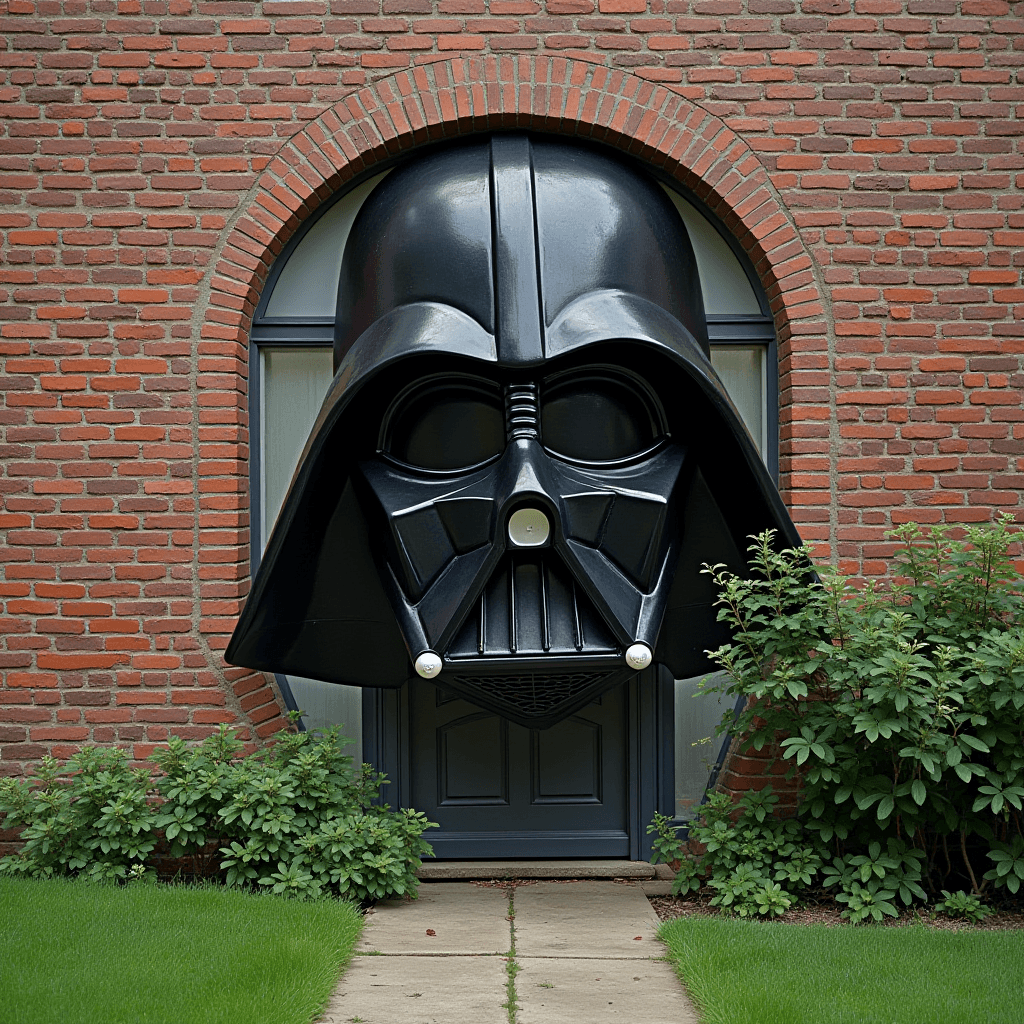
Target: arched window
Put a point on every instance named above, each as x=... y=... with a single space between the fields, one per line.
x=291 y=370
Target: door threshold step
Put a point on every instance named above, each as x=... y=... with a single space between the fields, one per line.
x=458 y=870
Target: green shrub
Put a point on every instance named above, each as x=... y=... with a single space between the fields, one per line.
x=93 y=817
x=667 y=847
x=747 y=893
x=897 y=870
x=759 y=865
x=754 y=862
x=899 y=705
x=962 y=905
x=867 y=902
x=296 y=818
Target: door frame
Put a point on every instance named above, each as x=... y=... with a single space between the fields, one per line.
x=650 y=763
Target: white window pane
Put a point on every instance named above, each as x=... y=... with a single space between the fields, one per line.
x=743 y=370
x=697 y=744
x=723 y=281
x=293 y=384
x=326 y=704
x=308 y=285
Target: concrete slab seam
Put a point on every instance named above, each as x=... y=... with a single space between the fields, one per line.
x=433 y=955
x=512 y=965
x=570 y=956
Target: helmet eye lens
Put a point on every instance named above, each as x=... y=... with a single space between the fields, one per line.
x=446 y=426
x=598 y=418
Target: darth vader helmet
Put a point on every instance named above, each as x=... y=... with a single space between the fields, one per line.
x=525 y=455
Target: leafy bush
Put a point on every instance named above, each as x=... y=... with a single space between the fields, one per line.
x=757 y=865
x=667 y=847
x=297 y=818
x=754 y=862
x=963 y=905
x=898 y=870
x=92 y=817
x=900 y=705
x=867 y=901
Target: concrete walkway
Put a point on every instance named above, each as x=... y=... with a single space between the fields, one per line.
x=579 y=952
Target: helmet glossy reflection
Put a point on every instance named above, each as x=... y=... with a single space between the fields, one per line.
x=525 y=455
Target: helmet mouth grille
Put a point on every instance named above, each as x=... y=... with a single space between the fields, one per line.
x=534 y=649
x=530 y=606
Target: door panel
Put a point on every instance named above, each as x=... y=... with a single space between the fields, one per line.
x=566 y=763
x=472 y=762
x=499 y=790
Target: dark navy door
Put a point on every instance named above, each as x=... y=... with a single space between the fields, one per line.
x=500 y=790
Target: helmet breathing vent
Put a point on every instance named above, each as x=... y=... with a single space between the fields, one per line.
x=535 y=696
x=522 y=417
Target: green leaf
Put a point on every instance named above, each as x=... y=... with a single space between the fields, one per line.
x=979 y=802
x=885 y=808
x=919 y=792
x=865 y=800
x=973 y=741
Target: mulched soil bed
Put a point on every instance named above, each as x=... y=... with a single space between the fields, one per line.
x=820 y=909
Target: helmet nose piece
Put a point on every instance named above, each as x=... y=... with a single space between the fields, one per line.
x=528 y=528
x=526 y=489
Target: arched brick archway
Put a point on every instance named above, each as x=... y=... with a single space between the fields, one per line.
x=455 y=98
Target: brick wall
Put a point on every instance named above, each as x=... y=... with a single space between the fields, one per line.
x=155 y=155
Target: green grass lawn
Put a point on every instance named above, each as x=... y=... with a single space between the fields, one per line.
x=78 y=953
x=742 y=972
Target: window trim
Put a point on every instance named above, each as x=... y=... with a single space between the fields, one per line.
x=746 y=331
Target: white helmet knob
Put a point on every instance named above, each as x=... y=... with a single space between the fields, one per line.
x=638 y=656
x=428 y=664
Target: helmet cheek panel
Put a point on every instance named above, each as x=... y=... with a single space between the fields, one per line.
x=632 y=535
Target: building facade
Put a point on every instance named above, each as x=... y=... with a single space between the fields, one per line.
x=855 y=170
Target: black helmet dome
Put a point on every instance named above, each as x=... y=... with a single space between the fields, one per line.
x=524 y=456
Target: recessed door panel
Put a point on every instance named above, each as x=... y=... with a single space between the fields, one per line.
x=566 y=765
x=472 y=754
